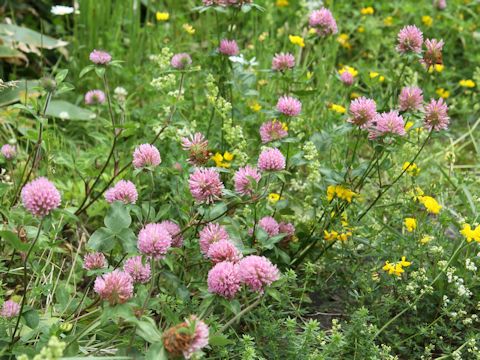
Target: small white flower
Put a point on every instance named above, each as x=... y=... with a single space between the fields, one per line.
x=62 y=10
x=64 y=115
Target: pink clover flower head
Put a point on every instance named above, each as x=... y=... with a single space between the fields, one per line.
x=270 y=225
x=94 y=261
x=347 y=78
x=410 y=98
x=40 y=197
x=288 y=229
x=116 y=287
x=387 y=123
x=257 y=272
x=210 y=234
x=224 y=279
x=10 y=309
x=323 y=22
x=174 y=231
x=272 y=130
x=139 y=272
x=154 y=240
x=283 y=61
x=289 y=106
x=181 y=61
x=245 y=179
x=100 y=57
x=95 y=97
x=8 y=151
x=146 y=155
x=228 y=47
x=410 y=39
x=436 y=115
x=362 y=112
x=433 y=53
x=205 y=185
x=124 y=191
x=271 y=159
x=223 y=250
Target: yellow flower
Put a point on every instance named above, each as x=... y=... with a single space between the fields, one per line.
x=432 y=206
x=416 y=193
x=330 y=236
x=374 y=74
x=442 y=93
x=312 y=31
x=342 y=39
x=255 y=106
x=467 y=83
x=411 y=169
x=408 y=125
x=410 y=224
x=162 y=16
x=396 y=268
x=470 y=234
x=361 y=29
x=282 y=3
x=437 y=67
x=427 y=20
x=348 y=69
x=388 y=21
x=273 y=198
x=354 y=95
x=189 y=29
x=337 y=108
x=224 y=160
x=309 y=75
x=262 y=36
x=344 y=236
x=426 y=239
x=340 y=192
x=404 y=262
x=296 y=40
x=367 y=11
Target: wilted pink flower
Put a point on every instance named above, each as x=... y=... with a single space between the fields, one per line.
x=175 y=231
x=387 y=123
x=94 y=261
x=436 y=115
x=154 y=240
x=410 y=39
x=288 y=229
x=246 y=178
x=289 y=106
x=433 y=54
x=181 y=61
x=10 y=309
x=271 y=159
x=197 y=146
x=138 y=271
x=323 y=22
x=257 y=272
x=347 y=78
x=116 y=287
x=210 y=234
x=8 y=151
x=272 y=130
x=205 y=185
x=270 y=225
x=410 y=98
x=283 y=61
x=223 y=250
x=186 y=338
x=146 y=155
x=362 y=111
x=95 y=97
x=228 y=47
x=100 y=57
x=124 y=191
x=440 y=4
x=40 y=197
x=224 y=279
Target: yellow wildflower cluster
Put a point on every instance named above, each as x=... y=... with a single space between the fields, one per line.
x=189 y=29
x=437 y=67
x=162 y=16
x=337 y=108
x=223 y=160
x=471 y=234
x=340 y=192
x=432 y=206
x=342 y=39
x=426 y=239
x=374 y=75
x=282 y=3
x=467 y=83
x=388 y=21
x=427 y=20
x=335 y=235
x=296 y=40
x=410 y=224
x=367 y=11
x=273 y=198
x=411 y=169
x=348 y=69
x=408 y=125
x=396 y=268
x=255 y=106
x=443 y=93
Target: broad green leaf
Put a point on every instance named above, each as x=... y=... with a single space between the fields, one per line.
x=13 y=33
x=148 y=330
x=31 y=318
x=12 y=95
x=67 y=111
x=13 y=240
x=219 y=340
x=118 y=217
x=128 y=240
x=102 y=240
x=156 y=352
